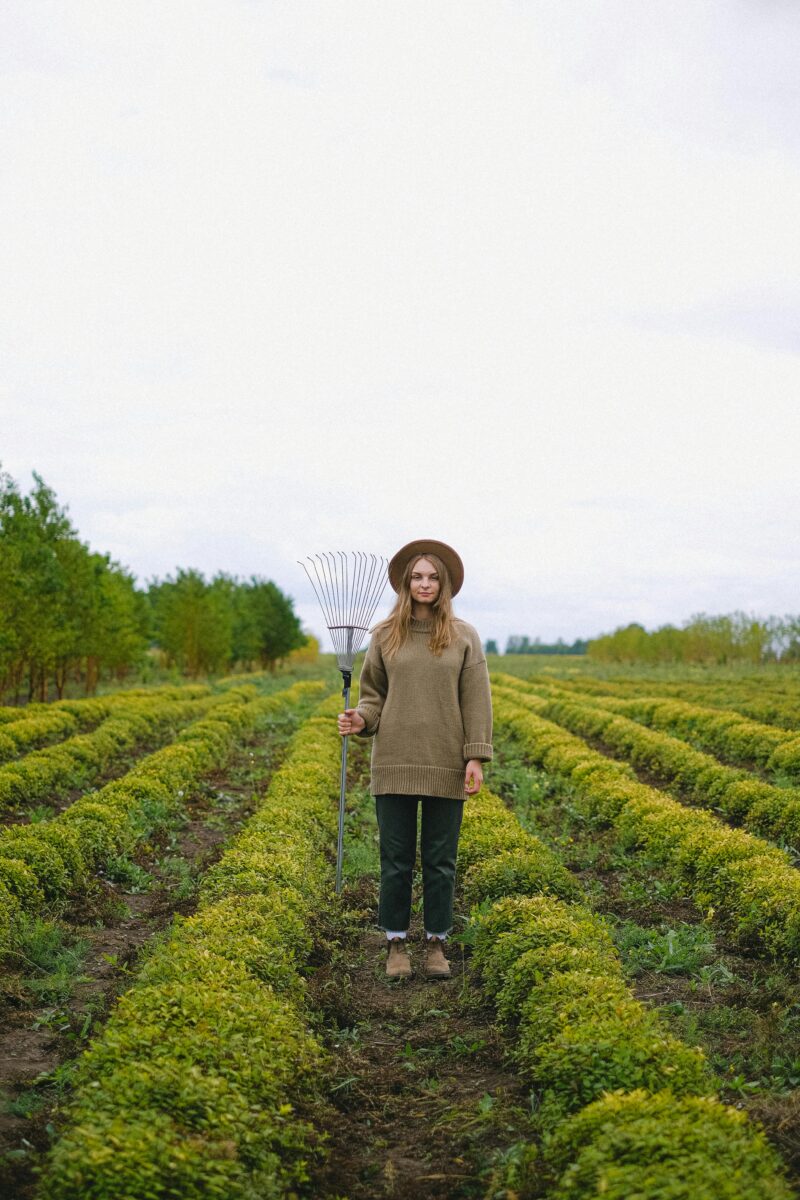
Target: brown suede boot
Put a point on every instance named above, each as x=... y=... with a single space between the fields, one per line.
x=436 y=965
x=398 y=963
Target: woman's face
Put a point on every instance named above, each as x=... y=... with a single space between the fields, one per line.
x=425 y=585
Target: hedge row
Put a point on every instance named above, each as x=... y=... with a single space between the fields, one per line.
x=43 y=724
x=726 y=733
x=557 y=983
x=15 y=712
x=729 y=735
x=761 y=807
x=41 y=864
x=90 y=710
x=18 y=737
x=749 y=885
x=57 y=770
x=758 y=700
x=199 y=1084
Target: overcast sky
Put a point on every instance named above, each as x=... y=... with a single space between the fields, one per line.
x=288 y=277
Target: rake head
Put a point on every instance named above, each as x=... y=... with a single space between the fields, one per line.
x=348 y=591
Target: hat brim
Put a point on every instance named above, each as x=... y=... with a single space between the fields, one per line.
x=421 y=546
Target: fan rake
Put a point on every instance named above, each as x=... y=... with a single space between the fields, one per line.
x=348 y=593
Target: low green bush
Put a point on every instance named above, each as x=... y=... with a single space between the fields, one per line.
x=517 y=924
x=18 y=737
x=662 y=1147
x=536 y=965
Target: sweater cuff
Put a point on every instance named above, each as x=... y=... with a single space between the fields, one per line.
x=481 y=750
x=372 y=716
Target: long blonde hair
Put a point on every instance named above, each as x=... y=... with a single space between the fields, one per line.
x=398 y=623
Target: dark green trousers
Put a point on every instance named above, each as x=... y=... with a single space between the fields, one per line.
x=440 y=827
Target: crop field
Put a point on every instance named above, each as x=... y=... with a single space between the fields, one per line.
x=190 y=1011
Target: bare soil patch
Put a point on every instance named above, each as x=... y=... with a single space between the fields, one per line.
x=424 y=1094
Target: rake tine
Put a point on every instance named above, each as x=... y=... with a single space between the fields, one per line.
x=348 y=596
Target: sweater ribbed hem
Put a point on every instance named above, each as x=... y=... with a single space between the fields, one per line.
x=409 y=779
x=481 y=750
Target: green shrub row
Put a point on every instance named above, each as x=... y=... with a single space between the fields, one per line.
x=15 y=712
x=758 y=699
x=729 y=735
x=497 y=857
x=769 y=811
x=40 y=724
x=637 y=1146
x=202 y=1082
x=41 y=864
x=90 y=710
x=553 y=972
x=56 y=770
x=732 y=737
x=600 y=1061
x=18 y=737
x=747 y=884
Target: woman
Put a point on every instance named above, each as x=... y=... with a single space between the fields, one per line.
x=425 y=697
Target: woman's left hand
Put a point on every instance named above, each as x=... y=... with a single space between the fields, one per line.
x=473 y=777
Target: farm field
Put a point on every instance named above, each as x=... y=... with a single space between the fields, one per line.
x=189 y=1010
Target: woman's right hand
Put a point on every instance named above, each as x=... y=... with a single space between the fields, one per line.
x=350 y=721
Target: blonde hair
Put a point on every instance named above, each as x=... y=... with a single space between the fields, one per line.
x=398 y=623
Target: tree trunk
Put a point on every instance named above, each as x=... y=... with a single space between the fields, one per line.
x=92 y=673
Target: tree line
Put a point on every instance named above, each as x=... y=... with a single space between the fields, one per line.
x=714 y=640
x=68 y=613
x=518 y=644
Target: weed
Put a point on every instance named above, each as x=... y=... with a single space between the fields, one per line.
x=715 y=974
x=127 y=874
x=466 y=1047
x=178 y=876
x=683 y=950
x=41 y=813
x=55 y=956
x=55 y=1019
x=26 y=1105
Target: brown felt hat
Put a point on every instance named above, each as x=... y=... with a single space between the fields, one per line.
x=427 y=546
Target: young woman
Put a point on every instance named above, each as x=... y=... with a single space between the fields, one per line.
x=425 y=698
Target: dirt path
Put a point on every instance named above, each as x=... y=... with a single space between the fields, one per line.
x=423 y=1095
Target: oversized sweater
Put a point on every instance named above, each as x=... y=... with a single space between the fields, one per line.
x=429 y=715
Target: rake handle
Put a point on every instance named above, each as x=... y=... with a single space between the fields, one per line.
x=347 y=678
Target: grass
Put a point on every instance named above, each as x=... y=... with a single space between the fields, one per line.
x=683 y=950
x=178 y=876
x=127 y=874
x=51 y=959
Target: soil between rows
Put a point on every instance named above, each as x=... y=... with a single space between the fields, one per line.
x=423 y=1095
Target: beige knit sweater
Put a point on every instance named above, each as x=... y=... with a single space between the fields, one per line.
x=429 y=716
